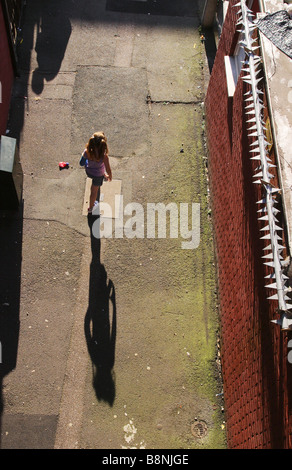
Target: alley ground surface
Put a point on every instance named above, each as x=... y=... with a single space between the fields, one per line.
x=113 y=343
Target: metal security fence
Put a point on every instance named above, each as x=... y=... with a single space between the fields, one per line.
x=12 y=10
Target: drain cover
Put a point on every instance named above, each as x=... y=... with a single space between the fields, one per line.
x=199 y=429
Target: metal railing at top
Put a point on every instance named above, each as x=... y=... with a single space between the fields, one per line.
x=254 y=107
x=13 y=10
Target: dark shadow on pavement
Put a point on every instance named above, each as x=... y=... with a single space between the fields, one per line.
x=154 y=7
x=50 y=23
x=100 y=323
x=53 y=33
x=210 y=46
x=46 y=27
x=11 y=227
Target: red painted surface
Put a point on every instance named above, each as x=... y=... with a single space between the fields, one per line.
x=256 y=372
x=6 y=75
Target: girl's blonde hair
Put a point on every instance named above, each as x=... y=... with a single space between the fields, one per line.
x=97 y=146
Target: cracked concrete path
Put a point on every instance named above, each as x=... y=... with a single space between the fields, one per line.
x=118 y=337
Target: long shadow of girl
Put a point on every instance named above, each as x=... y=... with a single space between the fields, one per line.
x=100 y=327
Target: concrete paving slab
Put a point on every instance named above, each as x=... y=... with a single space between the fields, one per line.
x=72 y=403
x=108 y=193
x=29 y=431
x=173 y=63
x=49 y=141
x=109 y=197
x=101 y=36
x=115 y=101
x=88 y=183
x=64 y=199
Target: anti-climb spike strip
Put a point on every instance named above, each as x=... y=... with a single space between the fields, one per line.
x=254 y=108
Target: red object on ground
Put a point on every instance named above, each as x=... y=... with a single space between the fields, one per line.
x=63 y=165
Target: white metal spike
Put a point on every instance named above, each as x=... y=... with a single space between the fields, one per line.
x=275 y=286
x=258 y=147
x=273 y=297
x=266 y=237
x=278 y=322
x=273 y=276
x=256 y=158
x=268 y=256
x=281 y=247
x=272 y=286
x=258 y=175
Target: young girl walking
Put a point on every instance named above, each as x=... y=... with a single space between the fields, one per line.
x=96 y=162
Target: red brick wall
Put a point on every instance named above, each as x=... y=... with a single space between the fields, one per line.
x=6 y=74
x=256 y=373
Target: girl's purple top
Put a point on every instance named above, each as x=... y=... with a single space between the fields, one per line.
x=93 y=168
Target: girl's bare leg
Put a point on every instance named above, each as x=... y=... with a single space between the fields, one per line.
x=93 y=195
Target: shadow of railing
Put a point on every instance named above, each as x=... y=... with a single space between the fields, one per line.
x=11 y=225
